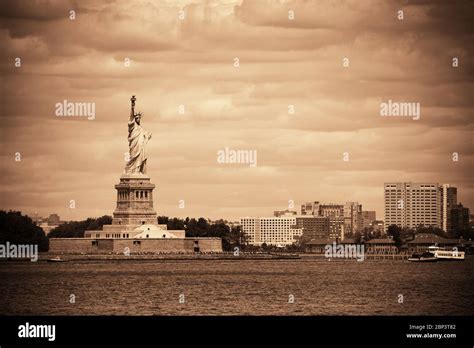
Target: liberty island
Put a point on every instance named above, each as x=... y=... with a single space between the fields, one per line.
x=134 y=228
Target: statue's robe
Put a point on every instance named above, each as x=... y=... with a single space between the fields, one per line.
x=137 y=139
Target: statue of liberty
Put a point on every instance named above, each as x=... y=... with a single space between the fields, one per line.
x=137 y=140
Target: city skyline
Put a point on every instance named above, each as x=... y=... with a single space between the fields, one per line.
x=297 y=208
x=196 y=102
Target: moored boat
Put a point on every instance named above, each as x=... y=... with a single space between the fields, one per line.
x=423 y=257
x=56 y=259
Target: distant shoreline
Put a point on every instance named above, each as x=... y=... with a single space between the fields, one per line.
x=44 y=257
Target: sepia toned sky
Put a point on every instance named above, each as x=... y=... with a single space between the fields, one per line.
x=190 y=62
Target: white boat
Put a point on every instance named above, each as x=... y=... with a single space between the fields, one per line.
x=56 y=259
x=447 y=254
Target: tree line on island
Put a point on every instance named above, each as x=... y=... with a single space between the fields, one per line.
x=20 y=229
x=231 y=236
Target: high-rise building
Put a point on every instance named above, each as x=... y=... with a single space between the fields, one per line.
x=270 y=230
x=313 y=226
x=410 y=204
x=352 y=216
x=366 y=219
x=459 y=219
x=335 y=213
x=448 y=199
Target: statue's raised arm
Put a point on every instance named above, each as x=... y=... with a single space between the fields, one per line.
x=132 y=110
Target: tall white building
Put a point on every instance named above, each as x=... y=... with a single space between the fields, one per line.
x=270 y=230
x=410 y=204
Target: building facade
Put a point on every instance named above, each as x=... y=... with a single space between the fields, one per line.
x=335 y=213
x=49 y=223
x=334 y=210
x=313 y=226
x=448 y=199
x=410 y=204
x=134 y=246
x=352 y=217
x=459 y=219
x=367 y=219
x=381 y=246
x=270 y=230
x=310 y=208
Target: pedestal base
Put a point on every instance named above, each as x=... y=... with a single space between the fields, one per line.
x=134 y=201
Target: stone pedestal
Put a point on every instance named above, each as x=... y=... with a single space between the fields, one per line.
x=134 y=201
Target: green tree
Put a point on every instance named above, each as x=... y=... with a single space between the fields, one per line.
x=75 y=229
x=162 y=220
x=358 y=237
x=431 y=230
x=395 y=232
x=201 y=227
x=234 y=238
x=20 y=229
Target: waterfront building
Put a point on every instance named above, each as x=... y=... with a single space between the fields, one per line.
x=422 y=241
x=381 y=246
x=317 y=245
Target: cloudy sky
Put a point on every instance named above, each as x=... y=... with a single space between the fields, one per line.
x=190 y=62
